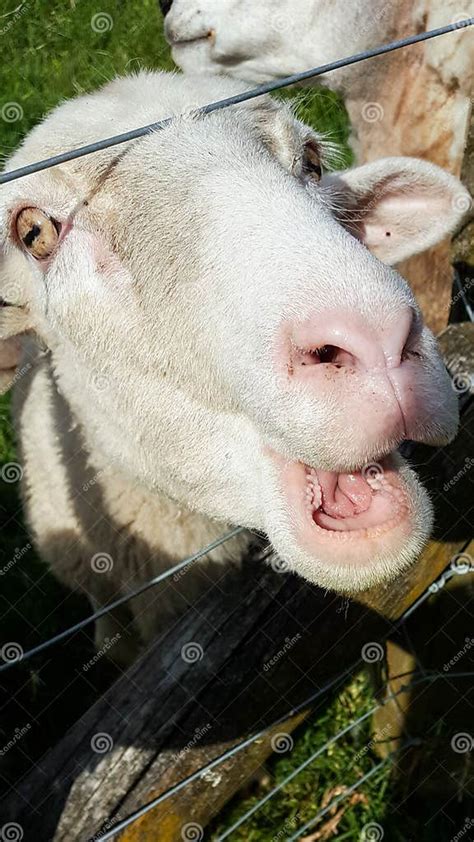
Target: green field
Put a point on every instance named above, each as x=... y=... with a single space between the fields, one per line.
x=52 y=51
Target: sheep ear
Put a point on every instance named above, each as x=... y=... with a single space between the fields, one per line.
x=10 y=355
x=15 y=318
x=13 y=322
x=397 y=207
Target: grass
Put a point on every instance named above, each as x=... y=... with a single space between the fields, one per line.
x=52 y=51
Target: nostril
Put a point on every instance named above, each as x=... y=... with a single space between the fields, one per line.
x=337 y=356
x=325 y=355
x=344 y=339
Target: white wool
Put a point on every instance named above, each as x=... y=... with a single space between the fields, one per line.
x=146 y=414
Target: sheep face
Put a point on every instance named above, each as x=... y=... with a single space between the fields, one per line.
x=273 y=38
x=221 y=322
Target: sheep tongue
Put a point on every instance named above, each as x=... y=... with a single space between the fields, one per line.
x=344 y=495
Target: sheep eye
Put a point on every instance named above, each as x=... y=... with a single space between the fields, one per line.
x=312 y=162
x=37 y=232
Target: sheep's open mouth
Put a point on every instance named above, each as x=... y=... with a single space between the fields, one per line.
x=361 y=504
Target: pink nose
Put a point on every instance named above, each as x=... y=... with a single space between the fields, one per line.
x=342 y=339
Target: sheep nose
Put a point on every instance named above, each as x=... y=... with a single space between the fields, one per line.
x=165 y=6
x=340 y=339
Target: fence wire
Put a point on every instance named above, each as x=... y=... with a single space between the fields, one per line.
x=452 y=571
x=260 y=90
x=390 y=697
x=455 y=569
x=186 y=562
x=245 y=96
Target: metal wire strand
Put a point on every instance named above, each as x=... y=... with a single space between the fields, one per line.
x=123 y=138
x=226 y=755
x=260 y=90
x=124 y=823
x=294 y=773
x=453 y=570
x=331 y=741
x=122 y=600
x=309 y=824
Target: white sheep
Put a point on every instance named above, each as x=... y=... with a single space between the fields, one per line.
x=415 y=101
x=210 y=337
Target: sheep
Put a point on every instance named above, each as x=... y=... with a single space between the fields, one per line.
x=396 y=102
x=412 y=102
x=211 y=334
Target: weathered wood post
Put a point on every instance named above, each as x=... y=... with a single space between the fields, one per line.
x=417 y=101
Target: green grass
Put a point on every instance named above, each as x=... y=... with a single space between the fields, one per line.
x=51 y=51
x=408 y=808
x=301 y=799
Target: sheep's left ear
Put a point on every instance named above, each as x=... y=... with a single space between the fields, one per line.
x=397 y=206
x=14 y=321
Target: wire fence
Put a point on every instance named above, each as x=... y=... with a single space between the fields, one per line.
x=172 y=571
x=260 y=90
x=454 y=569
x=237 y=99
